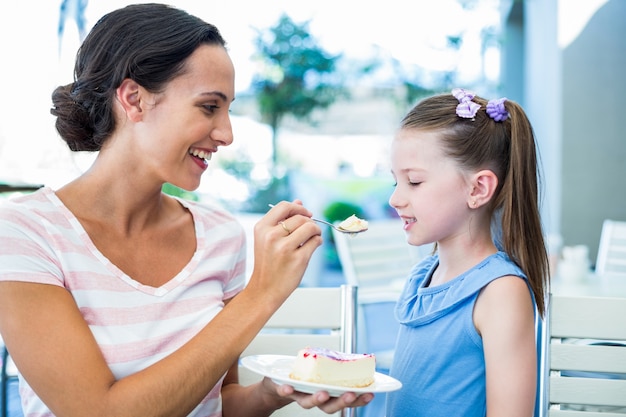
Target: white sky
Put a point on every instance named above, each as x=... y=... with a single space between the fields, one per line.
x=34 y=63
x=573 y=18
x=412 y=32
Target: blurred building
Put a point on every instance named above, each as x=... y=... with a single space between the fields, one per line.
x=563 y=61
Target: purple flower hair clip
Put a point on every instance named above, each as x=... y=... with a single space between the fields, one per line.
x=466 y=109
x=496 y=110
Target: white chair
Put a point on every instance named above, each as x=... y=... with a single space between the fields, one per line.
x=611 y=260
x=379 y=257
x=317 y=317
x=8 y=375
x=584 y=357
x=378 y=261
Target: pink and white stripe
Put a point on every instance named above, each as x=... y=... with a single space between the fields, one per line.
x=135 y=325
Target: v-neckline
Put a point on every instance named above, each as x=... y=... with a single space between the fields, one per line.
x=114 y=269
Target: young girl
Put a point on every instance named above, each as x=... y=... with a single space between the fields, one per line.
x=466 y=172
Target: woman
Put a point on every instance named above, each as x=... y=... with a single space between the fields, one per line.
x=118 y=300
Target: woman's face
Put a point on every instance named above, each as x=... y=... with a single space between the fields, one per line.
x=431 y=191
x=186 y=123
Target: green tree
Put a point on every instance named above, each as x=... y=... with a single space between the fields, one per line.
x=296 y=75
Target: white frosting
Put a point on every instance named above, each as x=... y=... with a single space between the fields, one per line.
x=353 y=224
x=329 y=367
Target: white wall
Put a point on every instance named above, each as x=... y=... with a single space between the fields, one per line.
x=573 y=85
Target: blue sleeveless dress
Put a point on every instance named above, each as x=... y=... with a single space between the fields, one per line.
x=439 y=354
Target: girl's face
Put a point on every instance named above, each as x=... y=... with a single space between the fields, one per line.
x=431 y=191
x=187 y=122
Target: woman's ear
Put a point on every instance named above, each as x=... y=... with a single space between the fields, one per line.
x=129 y=97
x=484 y=184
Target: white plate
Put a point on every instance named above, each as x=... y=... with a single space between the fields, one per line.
x=277 y=367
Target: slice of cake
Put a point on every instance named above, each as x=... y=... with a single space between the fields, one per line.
x=353 y=224
x=324 y=366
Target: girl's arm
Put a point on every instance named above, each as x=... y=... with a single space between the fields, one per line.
x=504 y=316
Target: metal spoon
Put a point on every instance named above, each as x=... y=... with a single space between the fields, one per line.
x=337 y=228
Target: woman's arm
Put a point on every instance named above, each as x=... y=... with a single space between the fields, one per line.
x=264 y=397
x=58 y=356
x=259 y=400
x=56 y=353
x=504 y=316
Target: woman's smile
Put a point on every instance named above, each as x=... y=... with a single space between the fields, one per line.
x=200 y=157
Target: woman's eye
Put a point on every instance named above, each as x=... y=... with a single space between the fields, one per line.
x=211 y=108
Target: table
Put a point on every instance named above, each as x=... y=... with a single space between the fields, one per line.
x=592 y=286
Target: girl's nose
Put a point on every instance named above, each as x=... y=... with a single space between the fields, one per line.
x=394 y=199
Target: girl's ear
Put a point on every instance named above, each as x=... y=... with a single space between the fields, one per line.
x=129 y=97
x=484 y=184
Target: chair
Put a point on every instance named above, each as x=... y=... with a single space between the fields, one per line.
x=319 y=317
x=611 y=258
x=8 y=375
x=584 y=357
x=379 y=257
x=378 y=261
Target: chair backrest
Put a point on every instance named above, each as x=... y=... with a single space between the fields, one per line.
x=317 y=317
x=611 y=258
x=8 y=374
x=584 y=357
x=378 y=257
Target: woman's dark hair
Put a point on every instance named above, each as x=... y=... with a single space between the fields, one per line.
x=508 y=149
x=148 y=43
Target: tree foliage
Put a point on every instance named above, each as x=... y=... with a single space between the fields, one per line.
x=295 y=76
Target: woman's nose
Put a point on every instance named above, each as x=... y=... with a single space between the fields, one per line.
x=223 y=132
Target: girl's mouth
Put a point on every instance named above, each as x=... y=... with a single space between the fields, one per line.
x=408 y=222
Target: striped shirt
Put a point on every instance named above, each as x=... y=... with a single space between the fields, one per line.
x=135 y=325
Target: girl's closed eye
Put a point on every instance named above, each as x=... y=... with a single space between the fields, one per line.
x=411 y=183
